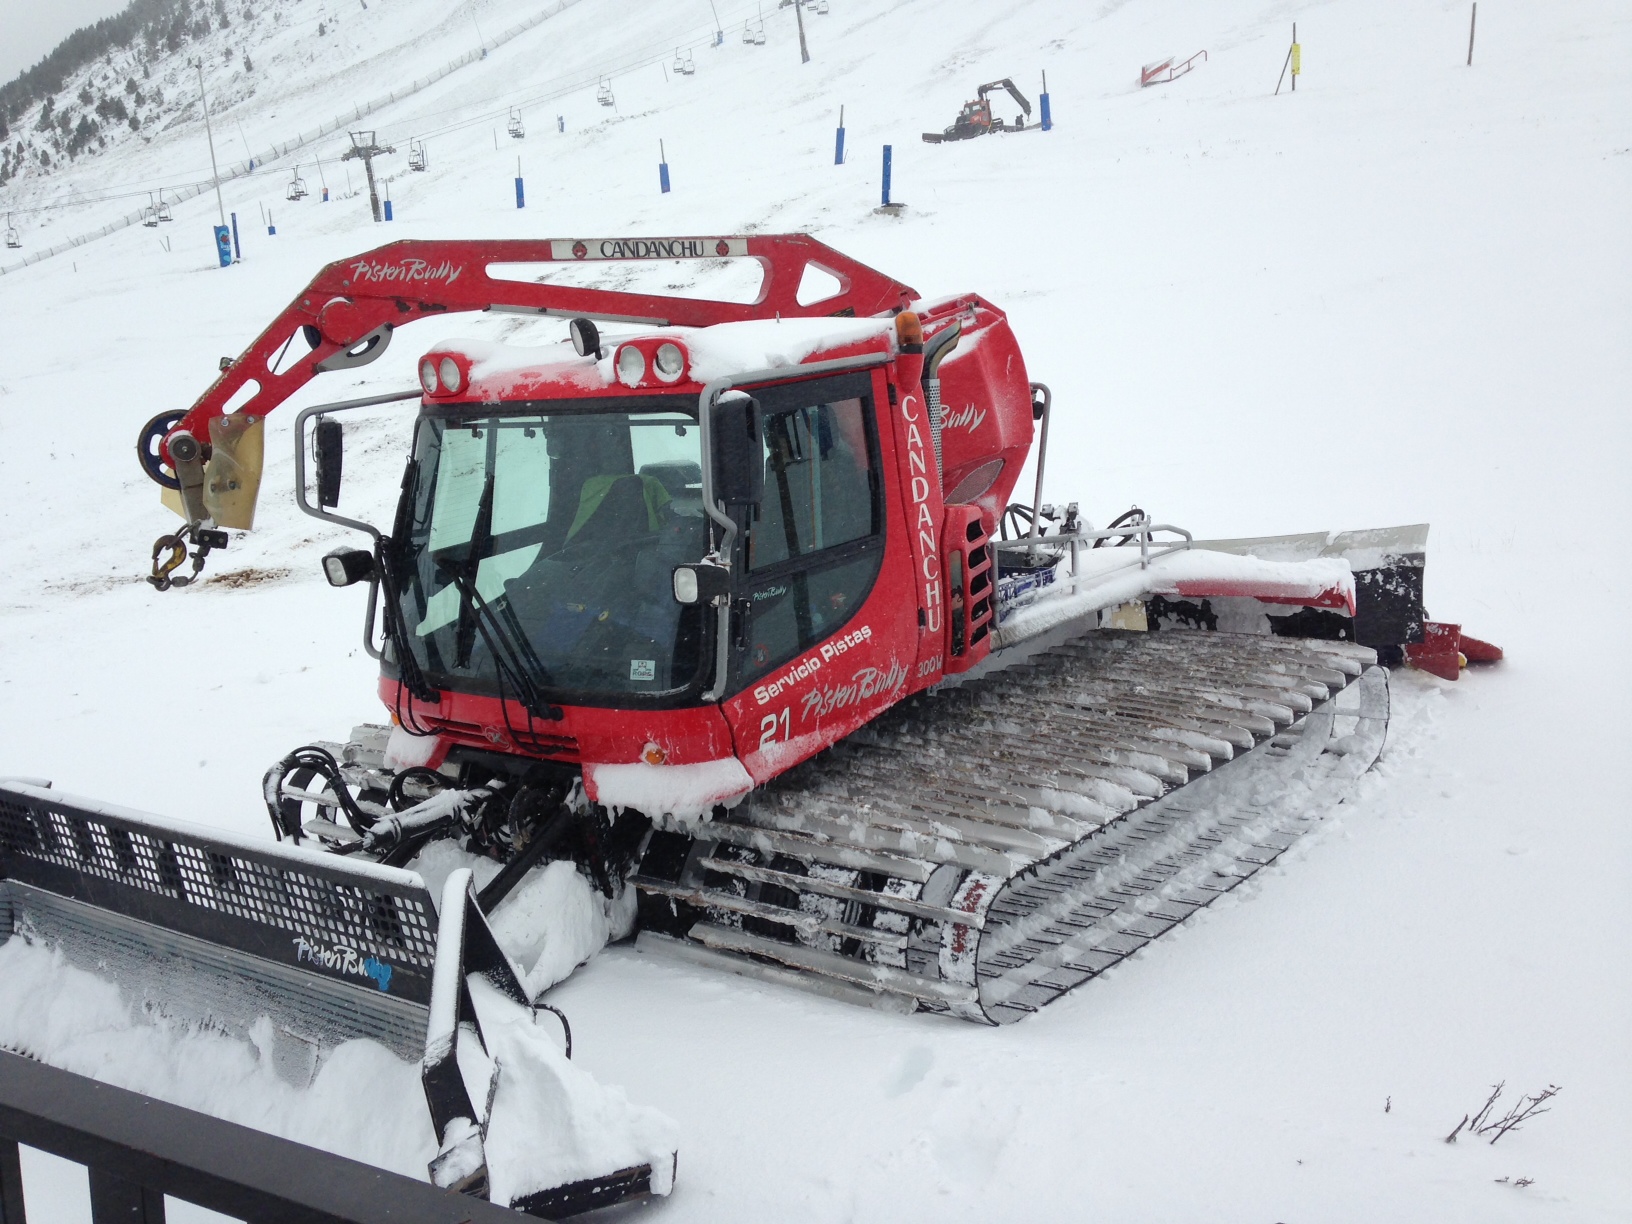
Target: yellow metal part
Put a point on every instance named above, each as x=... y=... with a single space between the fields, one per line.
x=232 y=477
x=1297 y=59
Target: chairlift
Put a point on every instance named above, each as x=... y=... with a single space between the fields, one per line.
x=297 y=187
x=150 y=215
x=14 y=240
x=416 y=155
x=603 y=94
x=821 y=8
x=689 y=68
x=163 y=211
x=747 y=34
x=517 y=132
x=759 y=35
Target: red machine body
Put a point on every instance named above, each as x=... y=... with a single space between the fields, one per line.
x=913 y=626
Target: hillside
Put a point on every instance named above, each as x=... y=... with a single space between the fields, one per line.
x=1401 y=294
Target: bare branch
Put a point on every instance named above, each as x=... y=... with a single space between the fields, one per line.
x=1479 y=1125
x=1451 y=1138
x=1527 y=1108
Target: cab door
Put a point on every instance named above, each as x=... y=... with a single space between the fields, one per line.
x=813 y=653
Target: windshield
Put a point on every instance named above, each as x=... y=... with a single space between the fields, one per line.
x=567 y=524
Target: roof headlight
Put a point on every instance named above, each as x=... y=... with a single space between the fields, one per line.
x=631 y=365
x=451 y=378
x=427 y=376
x=669 y=362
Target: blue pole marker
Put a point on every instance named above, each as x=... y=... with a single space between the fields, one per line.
x=887 y=152
x=1048 y=116
x=325 y=195
x=388 y=210
x=838 y=144
x=270 y=228
x=237 y=251
x=521 y=196
x=223 y=245
x=662 y=169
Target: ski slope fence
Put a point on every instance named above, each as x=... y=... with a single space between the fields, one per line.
x=339 y=123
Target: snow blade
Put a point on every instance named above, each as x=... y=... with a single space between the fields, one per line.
x=466 y=951
x=223 y=934
x=208 y=928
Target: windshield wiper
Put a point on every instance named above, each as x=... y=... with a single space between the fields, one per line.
x=520 y=663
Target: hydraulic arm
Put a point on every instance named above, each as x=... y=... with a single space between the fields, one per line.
x=346 y=316
x=1014 y=93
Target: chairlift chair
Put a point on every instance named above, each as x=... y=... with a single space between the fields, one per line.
x=150 y=215
x=603 y=94
x=163 y=211
x=517 y=132
x=747 y=34
x=14 y=240
x=689 y=68
x=297 y=187
x=679 y=64
x=821 y=8
x=416 y=155
x=759 y=35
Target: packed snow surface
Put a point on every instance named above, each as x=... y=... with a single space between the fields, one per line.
x=1400 y=295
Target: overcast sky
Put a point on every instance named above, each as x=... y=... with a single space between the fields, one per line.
x=30 y=28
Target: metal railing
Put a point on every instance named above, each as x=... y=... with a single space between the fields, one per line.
x=1141 y=530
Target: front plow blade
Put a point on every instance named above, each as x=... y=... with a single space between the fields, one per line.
x=297 y=953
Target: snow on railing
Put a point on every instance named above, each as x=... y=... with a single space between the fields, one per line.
x=249 y=165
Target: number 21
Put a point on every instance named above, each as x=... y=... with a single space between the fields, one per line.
x=768 y=725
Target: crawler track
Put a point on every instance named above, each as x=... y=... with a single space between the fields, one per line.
x=984 y=850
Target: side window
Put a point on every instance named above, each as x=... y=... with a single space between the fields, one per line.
x=816 y=543
x=818 y=486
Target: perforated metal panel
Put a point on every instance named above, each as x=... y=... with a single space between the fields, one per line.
x=356 y=924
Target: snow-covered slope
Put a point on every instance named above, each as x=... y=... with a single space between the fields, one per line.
x=1401 y=294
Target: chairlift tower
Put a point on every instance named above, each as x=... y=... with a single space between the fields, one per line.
x=364 y=146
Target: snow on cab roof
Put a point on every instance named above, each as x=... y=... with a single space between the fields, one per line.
x=496 y=370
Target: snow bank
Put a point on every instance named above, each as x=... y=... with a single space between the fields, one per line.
x=364 y=1102
x=556 y=920
x=552 y=1122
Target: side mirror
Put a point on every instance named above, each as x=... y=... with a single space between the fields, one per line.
x=739 y=454
x=327 y=451
x=344 y=566
x=701 y=583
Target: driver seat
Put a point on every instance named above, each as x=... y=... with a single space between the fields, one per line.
x=617 y=507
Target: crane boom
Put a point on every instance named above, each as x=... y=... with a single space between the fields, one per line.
x=348 y=311
x=1014 y=93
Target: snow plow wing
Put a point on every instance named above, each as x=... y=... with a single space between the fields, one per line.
x=299 y=952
